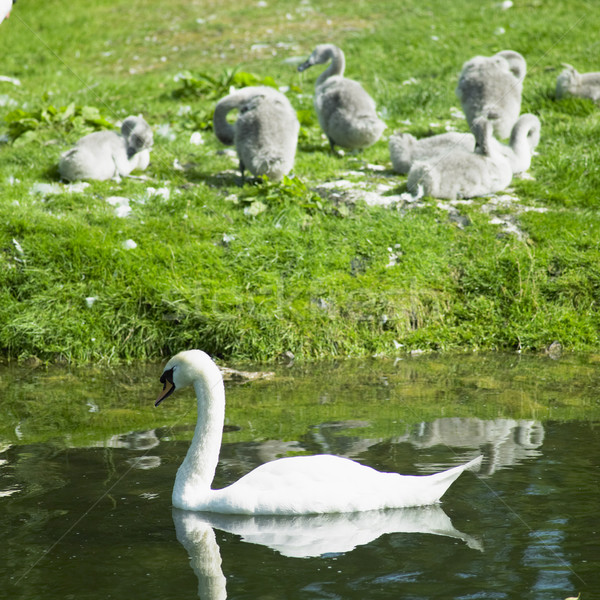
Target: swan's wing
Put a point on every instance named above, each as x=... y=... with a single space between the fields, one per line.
x=326 y=484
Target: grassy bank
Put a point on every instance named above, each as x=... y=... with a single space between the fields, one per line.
x=250 y=272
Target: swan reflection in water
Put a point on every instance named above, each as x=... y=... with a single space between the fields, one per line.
x=299 y=536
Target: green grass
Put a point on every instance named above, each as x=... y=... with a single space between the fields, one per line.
x=249 y=272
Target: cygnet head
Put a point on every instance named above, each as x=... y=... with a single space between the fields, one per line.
x=320 y=55
x=566 y=80
x=184 y=369
x=138 y=134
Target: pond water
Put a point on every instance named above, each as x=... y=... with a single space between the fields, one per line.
x=87 y=466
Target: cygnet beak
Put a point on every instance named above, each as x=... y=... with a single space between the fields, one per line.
x=305 y=65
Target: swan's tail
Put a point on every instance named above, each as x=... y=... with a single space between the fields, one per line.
x=438 y=483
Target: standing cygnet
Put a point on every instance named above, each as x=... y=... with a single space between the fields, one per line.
x=583 y=85
x=493 y=84
x=265 y=133
x=405 y=149
x=345 y=110
x=108 y=154
x=463 y=174
x=5 y=8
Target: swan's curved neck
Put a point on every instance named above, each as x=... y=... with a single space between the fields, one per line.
x=224 y=130
x=336 y=67
x=519 y=137
x=197 y=470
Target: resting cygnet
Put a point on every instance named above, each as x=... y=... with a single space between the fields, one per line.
x=345 y=110
x=265 y=133
x=583 y=85
x=405 y=149
x=5 y=8
x=108 y=154
x=461 y=173
x=493 y=84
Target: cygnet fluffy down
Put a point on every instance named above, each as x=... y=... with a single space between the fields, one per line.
x=461 y=173
x=265 y=133
x=493 y=85
x=583 y=85
x=405 y=149
x=108 y=154
x=345 y=110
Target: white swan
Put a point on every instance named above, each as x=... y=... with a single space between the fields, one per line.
x=265 y=133
x=462 y=173
x=406 y=149
x=583 y=85
x=345 y=110
x=5 y=8
x=287 y=486
x=108 y=154
x=493 y=84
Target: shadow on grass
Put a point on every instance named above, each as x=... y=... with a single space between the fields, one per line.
x=222 y=179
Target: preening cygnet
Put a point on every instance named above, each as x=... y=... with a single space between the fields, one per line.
x=345 y=110
x=405 y=149
x=461 y=173
x=265 y=133
x=108 y=154
x=493 y=85
x=583 y=85
x=5 y=8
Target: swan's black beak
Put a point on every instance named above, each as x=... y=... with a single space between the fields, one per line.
x=168 y=386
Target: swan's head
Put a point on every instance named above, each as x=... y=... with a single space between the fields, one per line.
x=320 y=55
x=568 y=79
x=138 y=135
x=515 y=61
x=185 y=369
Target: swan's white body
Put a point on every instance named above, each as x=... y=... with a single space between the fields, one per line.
x=462 y=173
x=108 y=154
x=287 y=486
x=265 y=133
x=491 y=86
x=345 y=110
x=5 y=8
x=405 y=149
x=583 y=85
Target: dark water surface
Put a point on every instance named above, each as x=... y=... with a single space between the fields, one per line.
x=87 y=467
